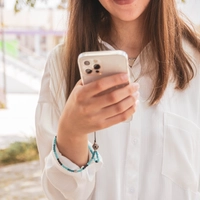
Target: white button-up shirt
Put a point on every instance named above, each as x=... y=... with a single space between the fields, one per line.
x=156 y=156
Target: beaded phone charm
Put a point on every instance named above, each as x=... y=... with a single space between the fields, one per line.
x=95 y=146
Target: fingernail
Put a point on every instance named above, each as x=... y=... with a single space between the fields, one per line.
x=136 y=85
x=136 y=95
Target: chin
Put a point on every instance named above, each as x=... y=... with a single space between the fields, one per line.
x=127 y=18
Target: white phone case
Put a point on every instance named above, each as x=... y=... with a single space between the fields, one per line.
x=98 y=64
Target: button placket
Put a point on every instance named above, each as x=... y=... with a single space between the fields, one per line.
x=133 y=158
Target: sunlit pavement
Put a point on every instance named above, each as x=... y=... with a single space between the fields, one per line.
x=17 y=122
x=21 y=182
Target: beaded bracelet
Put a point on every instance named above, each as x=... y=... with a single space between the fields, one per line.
x=94 y=157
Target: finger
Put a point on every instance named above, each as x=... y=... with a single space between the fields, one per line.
x=79 y=82
x=96 y=87
x=120 y=117
x=120 y=107
x=116 y=96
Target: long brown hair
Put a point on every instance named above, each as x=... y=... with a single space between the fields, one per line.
x=164 y=28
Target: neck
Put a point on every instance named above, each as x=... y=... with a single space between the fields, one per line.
x=127 y=36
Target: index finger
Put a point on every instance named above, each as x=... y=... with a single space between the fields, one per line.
x=105 y=83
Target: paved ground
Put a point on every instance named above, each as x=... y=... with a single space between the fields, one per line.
x=21 y=182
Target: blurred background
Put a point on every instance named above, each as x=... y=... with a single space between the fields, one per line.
x=29 y=29
x=28 y=32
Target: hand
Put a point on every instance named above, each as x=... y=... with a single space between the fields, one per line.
x=89 y=109
x=86 y=111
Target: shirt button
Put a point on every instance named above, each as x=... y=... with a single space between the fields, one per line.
x=131 y=190
x=134 y=140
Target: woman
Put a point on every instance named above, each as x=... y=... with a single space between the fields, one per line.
x=156 y=155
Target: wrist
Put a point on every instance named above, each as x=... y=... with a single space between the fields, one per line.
x=70 y=137
x=74 y=147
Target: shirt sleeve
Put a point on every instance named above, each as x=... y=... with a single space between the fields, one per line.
x=57 y=182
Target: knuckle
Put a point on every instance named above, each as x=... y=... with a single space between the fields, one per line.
x=124 y=116
x=130 y=89
x=112 y=97
x=116 y=78
x=119 y=108
x=133 y=109
x=86 y=111
x=100 y=125
x=90 y=113
x=132 y=98
x=99 y=85
x=90 y=118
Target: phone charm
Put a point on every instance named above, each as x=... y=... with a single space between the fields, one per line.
x=95 y=145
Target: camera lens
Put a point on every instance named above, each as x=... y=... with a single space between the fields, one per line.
x=87 y=62
x=97 y=66
x=88 y=71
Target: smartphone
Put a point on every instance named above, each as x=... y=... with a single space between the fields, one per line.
x=95 y=65
x=98 y=64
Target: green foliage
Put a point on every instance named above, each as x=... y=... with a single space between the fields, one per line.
x=11 y=47
x=19 y=152
x=19 y=4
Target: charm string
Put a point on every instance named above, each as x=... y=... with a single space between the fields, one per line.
x=95 y=146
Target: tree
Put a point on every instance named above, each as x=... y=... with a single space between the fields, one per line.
x=19 y=4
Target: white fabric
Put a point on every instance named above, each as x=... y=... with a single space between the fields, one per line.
x=154 y=157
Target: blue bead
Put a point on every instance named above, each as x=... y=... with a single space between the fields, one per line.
x=94 y=158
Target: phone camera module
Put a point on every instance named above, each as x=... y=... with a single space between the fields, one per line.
x=97 y=66
x=86 y=62
x=88 y=71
